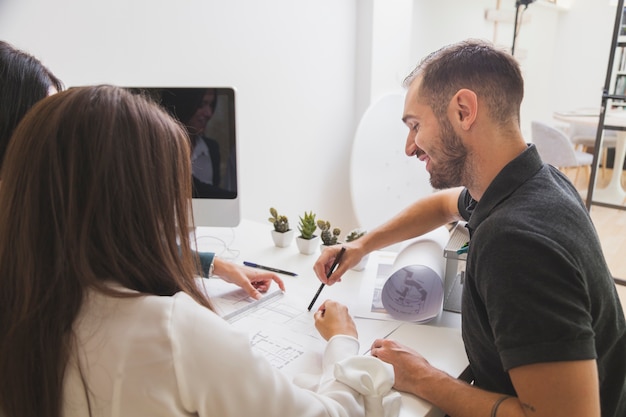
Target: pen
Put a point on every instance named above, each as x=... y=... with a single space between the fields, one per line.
x=330 y=271
x=269 y=268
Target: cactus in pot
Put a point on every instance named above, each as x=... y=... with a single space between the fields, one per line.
x=351 y=237
x=307 y=241
x=329 y=237
x=282 y=234
x=280 y=222
x=307 y=226
x=354 y=235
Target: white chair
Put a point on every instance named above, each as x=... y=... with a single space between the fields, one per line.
x=584 y=138
x=556 y=148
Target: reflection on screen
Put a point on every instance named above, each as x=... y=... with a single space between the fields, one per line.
x=208 y=116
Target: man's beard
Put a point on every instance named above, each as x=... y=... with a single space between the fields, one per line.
x=449 y=171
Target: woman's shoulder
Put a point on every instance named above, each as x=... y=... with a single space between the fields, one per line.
x=132 y=305
x=187 y=316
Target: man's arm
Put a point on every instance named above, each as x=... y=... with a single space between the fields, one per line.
x=419 y=218
x=554 y=389
x=569 y=388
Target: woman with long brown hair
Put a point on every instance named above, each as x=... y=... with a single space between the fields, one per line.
x=24 y=80
x=100 y=313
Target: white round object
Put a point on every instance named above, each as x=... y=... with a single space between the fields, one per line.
x=383 y=180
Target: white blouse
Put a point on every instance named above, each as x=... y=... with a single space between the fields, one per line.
x=169 y=356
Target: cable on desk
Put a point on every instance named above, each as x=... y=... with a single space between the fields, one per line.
x=223 y=250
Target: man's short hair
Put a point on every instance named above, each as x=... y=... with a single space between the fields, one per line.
x=493 y=74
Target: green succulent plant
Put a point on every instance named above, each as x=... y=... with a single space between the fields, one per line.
x=328 y=238
x=280 y=222
x=307 y=225
x=354 y=235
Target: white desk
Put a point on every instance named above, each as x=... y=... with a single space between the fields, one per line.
x=613 y=193
x=439 y=340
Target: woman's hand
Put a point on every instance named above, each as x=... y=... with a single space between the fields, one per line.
x=333 y=318
x=253 y=281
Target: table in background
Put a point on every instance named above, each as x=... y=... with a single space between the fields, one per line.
x=439 y=340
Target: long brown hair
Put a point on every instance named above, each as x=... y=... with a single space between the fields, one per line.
x=96 y=187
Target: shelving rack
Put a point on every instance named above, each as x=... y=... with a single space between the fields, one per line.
x=614 y=78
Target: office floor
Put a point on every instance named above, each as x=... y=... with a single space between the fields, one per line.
x=611 y=226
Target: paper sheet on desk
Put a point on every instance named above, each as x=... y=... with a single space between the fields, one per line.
x=442 y=347
x=280 y=331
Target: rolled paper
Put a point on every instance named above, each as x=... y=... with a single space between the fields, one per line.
x=414 y=290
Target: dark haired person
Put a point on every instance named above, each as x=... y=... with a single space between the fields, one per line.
x=24 y=80
x=100 y=312
x=542 y=324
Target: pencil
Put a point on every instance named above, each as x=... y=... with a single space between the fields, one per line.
x=330 y=271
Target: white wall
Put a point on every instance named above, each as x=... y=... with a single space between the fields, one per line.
x=563 y=51
x=292 y=62
x=305 y=71
x=584 y=39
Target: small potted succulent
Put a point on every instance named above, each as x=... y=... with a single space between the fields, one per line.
x=307 y=241
x=328 y=237
x=354 y=235
x=282 y=234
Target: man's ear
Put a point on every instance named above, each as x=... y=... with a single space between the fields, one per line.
x=464 y=107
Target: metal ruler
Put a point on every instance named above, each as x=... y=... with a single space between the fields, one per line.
x=254 y=305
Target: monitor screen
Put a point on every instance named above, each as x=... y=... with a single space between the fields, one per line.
x=208 y=114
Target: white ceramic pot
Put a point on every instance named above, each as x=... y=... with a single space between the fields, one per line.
x=282 y=239
x=324 y=247
x=362 y=263
x=308 y=246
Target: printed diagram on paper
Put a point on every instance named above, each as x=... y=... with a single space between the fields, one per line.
x=279 y=331
x=406 y=287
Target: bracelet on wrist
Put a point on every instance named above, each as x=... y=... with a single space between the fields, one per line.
x=496 y=405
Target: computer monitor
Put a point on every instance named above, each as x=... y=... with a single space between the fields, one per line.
x=208 y=114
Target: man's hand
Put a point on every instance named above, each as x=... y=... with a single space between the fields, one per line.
x=349 y=259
